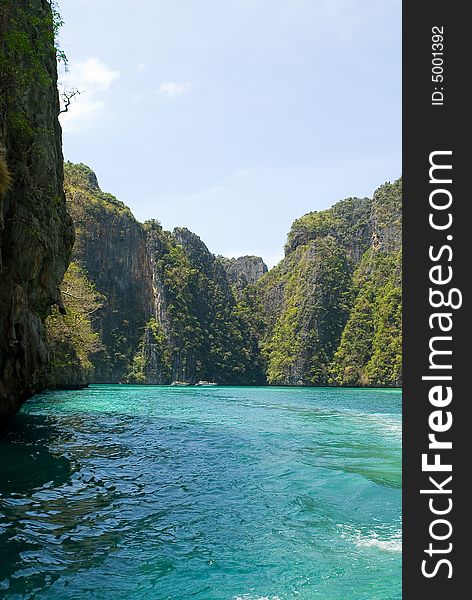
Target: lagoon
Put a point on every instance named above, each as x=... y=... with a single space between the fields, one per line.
x=166 y=493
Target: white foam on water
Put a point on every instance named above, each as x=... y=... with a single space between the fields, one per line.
x=249 y=597
x=394 y=544
x=388 y=542
x=388 y=424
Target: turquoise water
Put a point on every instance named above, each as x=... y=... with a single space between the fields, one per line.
x=124 y=492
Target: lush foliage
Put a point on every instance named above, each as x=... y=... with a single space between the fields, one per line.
x=72 y=340
x=370 y=352
x=307 y=314
x=332 y=307
x=205 y=335
x=328 y=314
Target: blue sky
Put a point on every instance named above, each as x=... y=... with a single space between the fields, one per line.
x=234 y=117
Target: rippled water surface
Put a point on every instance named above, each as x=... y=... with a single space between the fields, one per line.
x=137 y=493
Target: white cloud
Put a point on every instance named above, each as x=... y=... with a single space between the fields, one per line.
x=173 y=89
x=92 y=75
x=92 y=78
x=140 y=67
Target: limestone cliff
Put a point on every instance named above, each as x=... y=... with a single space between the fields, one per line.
x=111 y=247
x=170 y=312
x=36 y=232
x=332 y=308
x=328 y=314
x=243 y=271
x=370 y=349
x=197 y=331
x=304 y=304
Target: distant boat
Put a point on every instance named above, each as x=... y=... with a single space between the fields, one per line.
x=180 y=383
x=206 y=384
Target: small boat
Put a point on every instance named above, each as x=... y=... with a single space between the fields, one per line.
x=180 y=383
x=205 y=384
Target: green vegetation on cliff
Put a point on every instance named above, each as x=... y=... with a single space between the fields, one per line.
x=332 y=307
x=72 y=340
x=328 y=314
x=370 y=352
x=313 y=288
x=110 y=247
x=202 y=334
x=370 y=348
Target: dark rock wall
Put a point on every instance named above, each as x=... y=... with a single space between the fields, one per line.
x=111 y=247
x=36 y=233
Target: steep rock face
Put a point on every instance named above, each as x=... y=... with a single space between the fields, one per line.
x=370 y=350
x=170 y=312
x=36 y=232
x=328 y=314
x=243 y=271
x=111 y=247
x=332 y=308
x=197 y=331
x=349 y=222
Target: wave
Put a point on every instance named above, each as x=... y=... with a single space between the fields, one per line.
x=251 y=597
x=388 y=424
x=388 y=542
x=391 y=424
